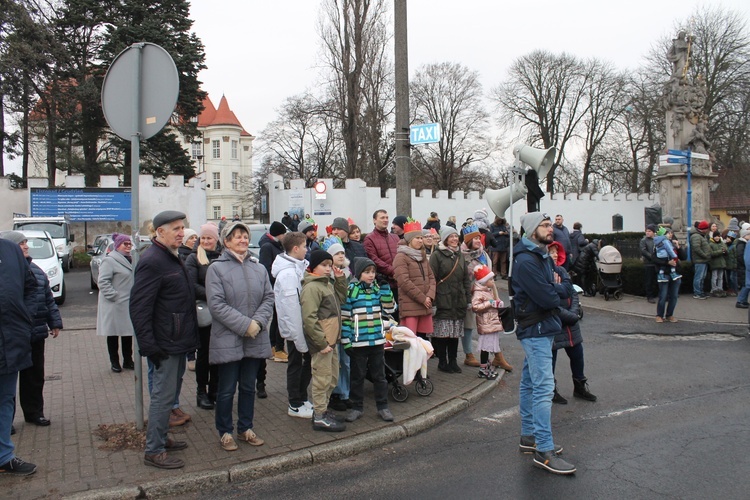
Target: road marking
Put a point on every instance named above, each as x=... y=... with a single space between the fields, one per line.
x=719 y=337
x=500 y=416
x=619 y=413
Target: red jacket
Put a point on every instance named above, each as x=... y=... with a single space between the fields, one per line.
x=381 y=247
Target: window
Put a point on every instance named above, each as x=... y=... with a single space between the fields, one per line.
x=216 y=149
x=235 y=181
x=235 y=210
x=217 y=212
x=234 y=150
x=196 y=150
x=217 y=180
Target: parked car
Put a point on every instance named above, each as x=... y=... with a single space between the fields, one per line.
x=97 y=254
x=58 y=228
x=256 y=233
x=98 y=239
x=42 y=251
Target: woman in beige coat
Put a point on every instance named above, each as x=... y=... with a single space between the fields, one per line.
x=416 y=282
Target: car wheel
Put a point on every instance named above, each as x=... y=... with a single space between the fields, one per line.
x=61 y=299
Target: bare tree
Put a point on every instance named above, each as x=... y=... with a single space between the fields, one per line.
x=545 y=93
x=451 y=95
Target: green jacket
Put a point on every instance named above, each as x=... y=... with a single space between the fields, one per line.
x=453 y=295
x=718 y=254
x=731 y=257
x=321 y=301
x=700 y=251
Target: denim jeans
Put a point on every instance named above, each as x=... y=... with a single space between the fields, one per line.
x=242 y=372
x=176 y=403
x=732 y=280
x=668 y=293
x=164 y=383
x=364 y=359
x=344 y=384
x=466 y=340
x=7 y=409
x=699 y=277
x=743 y=294
x=536 y=389
x=575 y=354
x=298 y=375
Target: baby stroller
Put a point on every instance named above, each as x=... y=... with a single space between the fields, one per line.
x=608 y=268
x=395 y=349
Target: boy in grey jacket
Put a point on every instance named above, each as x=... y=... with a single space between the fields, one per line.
x=288 y=269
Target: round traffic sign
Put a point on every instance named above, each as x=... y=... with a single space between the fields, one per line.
x=320 y=187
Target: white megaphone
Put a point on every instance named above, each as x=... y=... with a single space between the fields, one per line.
x=541 y=160
x=500 y=199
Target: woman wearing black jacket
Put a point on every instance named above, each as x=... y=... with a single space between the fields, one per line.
x=208 y=250
x=570 y=337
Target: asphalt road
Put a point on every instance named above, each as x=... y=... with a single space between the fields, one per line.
x=672 y=421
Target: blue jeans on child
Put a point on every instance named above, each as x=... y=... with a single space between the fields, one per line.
x=536 y=389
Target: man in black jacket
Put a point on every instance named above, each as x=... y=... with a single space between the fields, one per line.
x=162 y=309
x=270 y=247
x=17 y=285
x=646 y=245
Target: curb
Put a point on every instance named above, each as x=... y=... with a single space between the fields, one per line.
x=651 y=316
x=277 y=464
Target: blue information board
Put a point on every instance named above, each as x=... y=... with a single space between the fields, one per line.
x=82 y=204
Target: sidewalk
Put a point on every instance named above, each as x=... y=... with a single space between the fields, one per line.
x=81 y=393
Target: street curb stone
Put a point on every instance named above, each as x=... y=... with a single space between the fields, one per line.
x=185 y=483
x=336 y=450
x=117 y=493
x=270 y=466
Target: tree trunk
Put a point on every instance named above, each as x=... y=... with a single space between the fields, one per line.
x=2 y=133
x=25 y=139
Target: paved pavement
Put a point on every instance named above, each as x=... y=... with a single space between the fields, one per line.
x=81 y=393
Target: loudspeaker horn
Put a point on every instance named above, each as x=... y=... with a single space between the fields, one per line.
x=541 y=160
x=500 y=199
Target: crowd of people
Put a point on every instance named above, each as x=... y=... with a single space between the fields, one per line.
x=323 y=305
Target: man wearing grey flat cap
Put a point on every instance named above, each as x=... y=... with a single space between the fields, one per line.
x=162 y=309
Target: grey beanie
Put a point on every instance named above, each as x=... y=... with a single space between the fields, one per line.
x=733 y=224
x=305 y=226
x=446 y=231
x=340 y=223
x=531 y=221
x=360 y=264
x=13 y=236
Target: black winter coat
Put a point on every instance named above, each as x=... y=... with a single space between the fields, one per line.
x=162 y=304
x=354 y=249
x=47 y=314
x=197 y=271
x=17 y=287
x=269 y=250
x=454 y=294
x=568 y=314
x=586 y=259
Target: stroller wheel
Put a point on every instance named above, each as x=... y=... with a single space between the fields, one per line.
x=399 y=393
x=580 y=313
x=424 y=387
x=617 y=295
x=606 y=295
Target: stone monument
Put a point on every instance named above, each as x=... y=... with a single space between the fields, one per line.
x=684 y=100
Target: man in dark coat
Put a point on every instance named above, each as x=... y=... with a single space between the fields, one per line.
x=646 y=246
x=538 y=294
x=162 y=309
x=381 y=247
x=562 y=236
x=17 y=285
x=270 y=247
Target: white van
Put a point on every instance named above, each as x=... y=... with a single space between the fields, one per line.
x=43 y=254
x=57 y=227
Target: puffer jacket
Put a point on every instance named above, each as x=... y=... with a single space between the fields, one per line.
x=586 y=258
x=238 y=292
x=488 y=320
x=568 y=312
x=162 y=304
x=381 y=248
x=270 y=248
x=474 y=258
x=287 y=290
x=646 y=246
x=353 y=250
x=198 y=271
x=718 y=255
x=731 y=257
x=453 y=295
x=17 y=307
x=415 y=281
x=47 y=314
x=362 y=314
x=321 y=299
x=700 y=250
x=537 y=296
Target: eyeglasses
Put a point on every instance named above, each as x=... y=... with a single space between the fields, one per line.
x=546 y=225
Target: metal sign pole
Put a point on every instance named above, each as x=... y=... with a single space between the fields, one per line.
x=135 y=159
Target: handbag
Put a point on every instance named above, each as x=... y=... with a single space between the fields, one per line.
x=508 y=318
x=204 y=315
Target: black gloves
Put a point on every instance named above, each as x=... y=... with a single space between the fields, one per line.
x=157 y=358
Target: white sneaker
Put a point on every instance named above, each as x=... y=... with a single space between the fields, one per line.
x=308 y=404
x=300 y=412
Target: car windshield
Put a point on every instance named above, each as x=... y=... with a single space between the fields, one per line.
x=255 y=237
x=40 y=248
x=55 y=230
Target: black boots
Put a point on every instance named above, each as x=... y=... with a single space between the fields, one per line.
x=453 y=366
x=204 y=401
x=581 y=390
x=556 y=398
x=443 y=365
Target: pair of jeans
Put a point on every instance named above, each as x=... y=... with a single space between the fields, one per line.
x=699 y=277
x=575 y=354
x=325 y=374
x=243 y=373
x=364 y=359
x=535 y=392
x=206 y=375
x=7 y=410
x=717 y=280
x=298 y=375
x=732 y=280
x=31 y=384
x=668 y=293
x=344 y=384
x=165 y=381
x=742 y=296
x=466 y=340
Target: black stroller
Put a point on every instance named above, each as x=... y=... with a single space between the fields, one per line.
x=394 y=369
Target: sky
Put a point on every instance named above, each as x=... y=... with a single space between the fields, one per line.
x=260 y=52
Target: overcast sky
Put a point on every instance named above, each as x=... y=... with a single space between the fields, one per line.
x=259 y=52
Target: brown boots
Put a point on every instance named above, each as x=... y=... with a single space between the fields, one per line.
x=471 y=360
x=500 y=362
